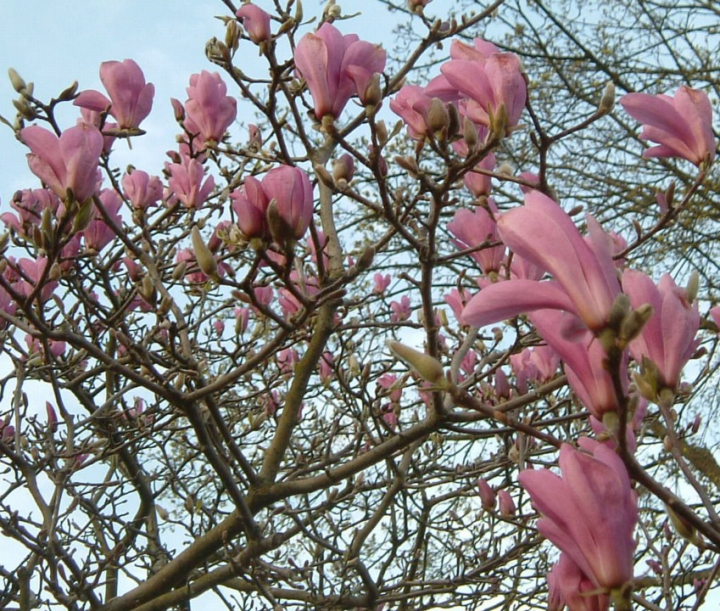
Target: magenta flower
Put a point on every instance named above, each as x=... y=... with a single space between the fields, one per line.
x=506 y=503
x=336 y=67
x=486 y=494
x=381 y=283
x=681 y=125
x=544 y=235
x=590 y=512
x=668 y=339
x=209 y=110
x=293 y=194
x=570 y=587
x=477 y=183
x=251 y=204
x=256 y=22
x=476 y=228
x=584 y=359
x=186 y=182
x=98 y=233
x=142 y=189
x=68 y=162
x=412 y=104
x=488 y=79
x=130 y=97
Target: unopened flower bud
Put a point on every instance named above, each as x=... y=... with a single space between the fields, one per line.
x=487 y=494
x=470 y=134
x=693 y=286
x=438 y=118
x=382 y=132
x=607 y=101
x=682 y=526
x=507 y=505
x=427 y=366
x=203 y=254
x=634 y=322
x=343 y=170
x=68 y=93
x=17 y=82
x=372 y=95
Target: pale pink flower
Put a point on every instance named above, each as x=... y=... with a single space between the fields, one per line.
x=569 y=586
x=186 y=182
x=476 y=228
x=336 y=67
x=668 y=338
x=589 y=513
x=681 y=125
x=209 y=110
x=256 y=22
x=142 y=189
x=68 y=162
x=542 y=233
x=486 y=494
x=584 y=359
x=130 y=97
x=506 y=503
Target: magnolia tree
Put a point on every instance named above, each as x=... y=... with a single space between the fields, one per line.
x=338 y=353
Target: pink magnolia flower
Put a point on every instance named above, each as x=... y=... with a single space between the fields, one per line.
x=668 y=339
x=142 y=189
x=590 y=512
x=488 y=79
x=381 y=283
x=251 y=204
x=30 y=205
x=242 y=317
x=209 y=110
x=506 y=503
x=480 y=184
x=186 y=182
x=290 y=188
x=681 y=125
x=570 y=587
x=389 y=383
x=476 y=228
x=487 y=494
x=98 y=234
x=584 y=360
x=542 y=233
x=412 y=104
x=130 y=97
x=256 y=22
x=293 y=194
x=401 y=310
x=327 y=363
x=336 y=67
x=32 y=273
x=68 y=162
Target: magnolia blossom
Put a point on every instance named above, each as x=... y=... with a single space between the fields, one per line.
x=542 y=233
x=209 y=110
x=488 y=80
x=142 y=189
x=68 y=162
x=584 y=361
x=256 y=22
x=570 y=587
x=590 y=512
x=668 y=338
x=476 y=229
x=681 y=125
x=98 y=234
x=186 y=182
x=336 y=67
x=130 y=97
